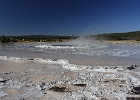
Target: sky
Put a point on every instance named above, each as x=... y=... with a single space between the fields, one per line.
x=68 y=17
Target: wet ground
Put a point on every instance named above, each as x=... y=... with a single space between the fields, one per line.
x=29 y=72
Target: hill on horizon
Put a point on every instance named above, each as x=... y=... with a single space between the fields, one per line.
x=134 y=35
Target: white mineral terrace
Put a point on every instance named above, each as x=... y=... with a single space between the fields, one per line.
x=41 y=79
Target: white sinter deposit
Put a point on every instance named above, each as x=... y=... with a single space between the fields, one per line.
x=86 y=82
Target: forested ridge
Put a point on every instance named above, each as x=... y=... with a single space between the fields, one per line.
x=135 y=35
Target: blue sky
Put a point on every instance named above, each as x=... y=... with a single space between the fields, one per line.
x=68 y=17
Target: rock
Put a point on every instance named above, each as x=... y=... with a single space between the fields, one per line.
x=30 y=59
x=43 y=86
x=103 y=99
x=130 y=68
x=58 y=89
x=136 y=90
x=81 y=85
x=84 y=98
x=133 y=98
x=2 y=80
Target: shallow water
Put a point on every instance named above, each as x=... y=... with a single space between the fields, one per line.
x=96 y=54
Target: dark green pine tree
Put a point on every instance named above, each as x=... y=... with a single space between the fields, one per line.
x=3 y=39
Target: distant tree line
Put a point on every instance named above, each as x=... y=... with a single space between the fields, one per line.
x=35 y=38
x=43 y=38
x=5 y=39
x=119 y=36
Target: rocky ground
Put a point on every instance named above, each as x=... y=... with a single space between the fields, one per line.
x=39 y=81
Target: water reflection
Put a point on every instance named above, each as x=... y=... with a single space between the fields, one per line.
x=3 y=46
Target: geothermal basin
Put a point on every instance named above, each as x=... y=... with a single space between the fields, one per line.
x=75 y=70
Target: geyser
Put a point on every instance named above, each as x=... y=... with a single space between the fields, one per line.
x=84 y=42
